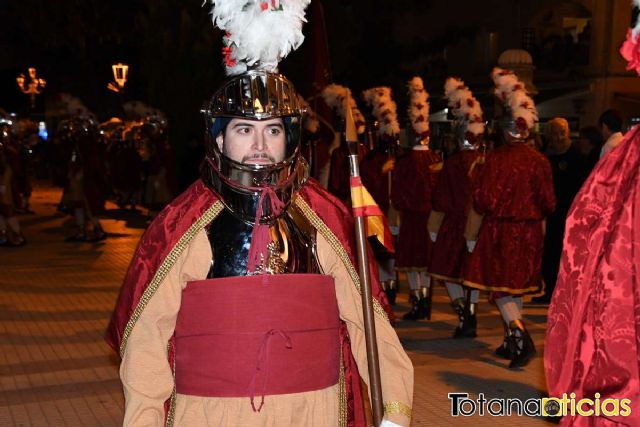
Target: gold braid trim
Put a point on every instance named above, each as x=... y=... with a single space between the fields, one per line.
x=507 y=289
x=166 y=265
x=337 y=247
x=342 y=408
x=397 y=408
x=172 y=400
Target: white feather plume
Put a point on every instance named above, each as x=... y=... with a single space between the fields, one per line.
x=334 y=95
x=463 y=104
x=511 y=91
x=636 y=29
x=259 y=33
x=384 y=109
x=418 y=110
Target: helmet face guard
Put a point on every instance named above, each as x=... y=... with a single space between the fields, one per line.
x=516 y=129
x=254 y=95
x=465 y=140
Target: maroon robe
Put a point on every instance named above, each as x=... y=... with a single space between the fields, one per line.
x=452 y=196
x=172 y=224
x=515 y=194
x=374 y=179
x=593 y=340
x=414 y=178
x=339 y=173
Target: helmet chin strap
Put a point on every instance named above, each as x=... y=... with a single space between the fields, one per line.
x=260 y=237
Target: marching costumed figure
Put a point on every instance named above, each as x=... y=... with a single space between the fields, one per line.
x=592 y=342
x=334 y=95
x=414 y=178
x=505 y=227
x=452 y=201
x=10 y=232
x=310 y=136
x=124 y=162
x=85 y=193
x=241 y=305
x=376 y=171
x=160 y=177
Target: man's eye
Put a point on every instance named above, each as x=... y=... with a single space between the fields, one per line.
x=274 y=131
x=244 y=130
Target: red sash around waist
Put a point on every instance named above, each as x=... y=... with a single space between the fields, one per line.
x=264 y=335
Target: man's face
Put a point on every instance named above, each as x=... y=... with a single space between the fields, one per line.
x=256 y=142
x=558 y=138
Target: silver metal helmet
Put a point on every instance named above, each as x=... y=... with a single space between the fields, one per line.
x=517 y=129
x=463 y=138
x=254 y=95
x=6 y=126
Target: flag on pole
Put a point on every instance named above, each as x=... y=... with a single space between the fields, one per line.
x=375 y=222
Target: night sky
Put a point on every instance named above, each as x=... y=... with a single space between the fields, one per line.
x=175 y=58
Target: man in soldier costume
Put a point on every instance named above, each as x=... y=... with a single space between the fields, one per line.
x=242 y=305
x=414 y=178
x=376 y=172
x=505 y=227
x=451 y=204
x=85 y=193
x=10 y=232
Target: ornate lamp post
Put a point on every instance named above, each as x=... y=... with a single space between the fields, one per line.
x=120 y=74
x=33 y=88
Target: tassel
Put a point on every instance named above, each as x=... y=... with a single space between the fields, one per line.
x=261 y=237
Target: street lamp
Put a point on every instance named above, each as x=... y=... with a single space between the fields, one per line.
x=120 y=73
x=34 y=87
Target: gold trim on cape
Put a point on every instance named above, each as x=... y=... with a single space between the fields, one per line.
x=337 y=247
x=342 y=405
x=172 y=400
x=208 y=216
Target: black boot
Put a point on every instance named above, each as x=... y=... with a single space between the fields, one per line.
x=467 y=326
x=417 y=308
x=426 y=309
x=390 y=290
x=523 y=346
x=98 y=234
x=505 y=350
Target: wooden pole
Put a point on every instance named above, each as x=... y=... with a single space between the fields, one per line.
x=375 y=387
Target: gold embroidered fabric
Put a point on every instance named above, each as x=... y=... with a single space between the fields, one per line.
x=397 y=408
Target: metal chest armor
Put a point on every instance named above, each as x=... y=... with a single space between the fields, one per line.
x=292 y=248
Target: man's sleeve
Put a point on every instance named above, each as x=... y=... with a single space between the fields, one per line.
x=146 y=376
x=396 y=369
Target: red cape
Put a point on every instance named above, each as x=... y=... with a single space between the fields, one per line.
x=175 y=221
x=593 y=339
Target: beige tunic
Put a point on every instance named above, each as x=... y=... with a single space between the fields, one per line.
x=148 y=380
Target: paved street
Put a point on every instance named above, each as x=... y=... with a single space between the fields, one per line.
x=56 y=299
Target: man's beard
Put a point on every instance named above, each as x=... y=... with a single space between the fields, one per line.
x=259 y=156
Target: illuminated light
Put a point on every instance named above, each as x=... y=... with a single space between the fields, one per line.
x=120 y=74
x=42 y=131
